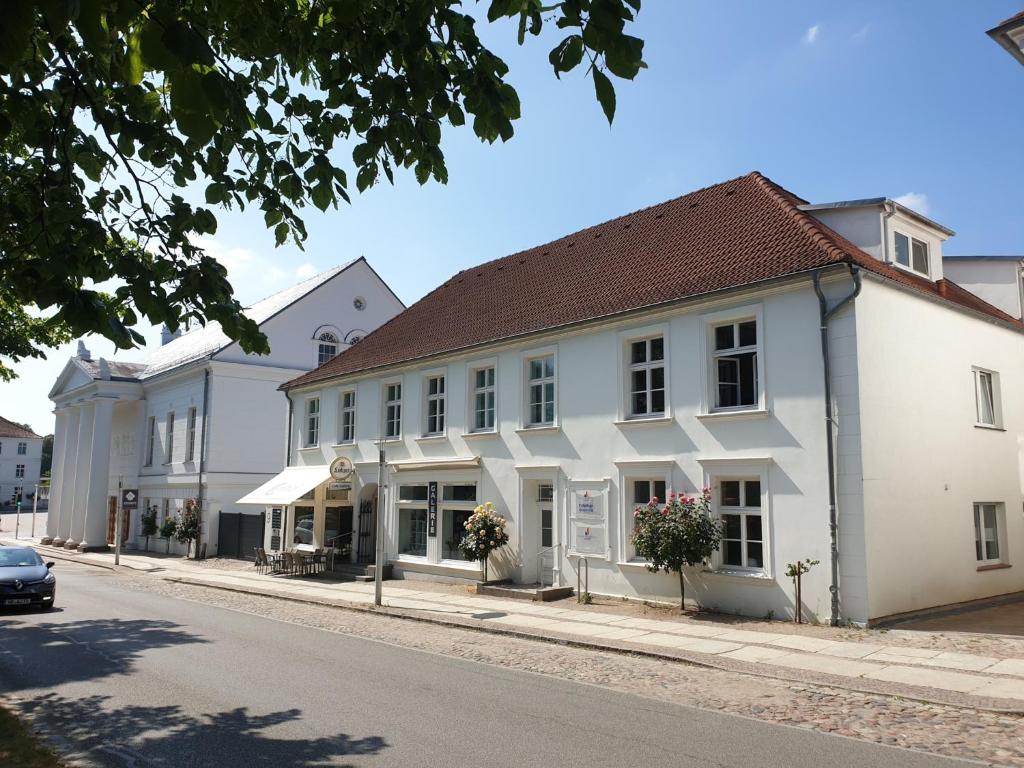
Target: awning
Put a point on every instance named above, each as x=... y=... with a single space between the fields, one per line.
x=288 y=486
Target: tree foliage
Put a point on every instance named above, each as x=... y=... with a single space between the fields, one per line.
x=679 y=534
x=116 y=114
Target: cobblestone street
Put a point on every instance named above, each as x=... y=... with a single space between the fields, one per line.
x=945 y=730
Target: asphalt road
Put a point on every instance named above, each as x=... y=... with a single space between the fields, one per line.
x=138 y=679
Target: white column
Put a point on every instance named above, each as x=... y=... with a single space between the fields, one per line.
x=66 y=471
x=83 y=469
x=94 y=530
x=60 y=441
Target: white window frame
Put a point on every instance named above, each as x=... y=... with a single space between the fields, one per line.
x=19 y=470
x=527 y=358
x=626 y=366
x=320 y=343
x=471 y=388
x=979 y=375
x=308 y=416
x=386 y=404
x=710 y=356
x=440 y=425
x=629 y=472
x=190 y=443
x=999 y=510
x=346 y=411
x=911 y=241
x=754 y=468
x=22 y=449
x=150 y=440
x=453 y=506
x=169 y=454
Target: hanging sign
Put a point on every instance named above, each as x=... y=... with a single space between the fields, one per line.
x=129 y=499
x=341 y=469
x=432 y=508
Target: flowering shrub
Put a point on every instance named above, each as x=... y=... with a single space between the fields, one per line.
x=680 y=533
x=485 y=532
x=188 y=524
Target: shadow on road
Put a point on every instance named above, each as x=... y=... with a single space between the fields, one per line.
x=46 y=654
x=166 y=735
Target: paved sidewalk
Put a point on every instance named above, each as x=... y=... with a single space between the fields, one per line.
x=913 y=672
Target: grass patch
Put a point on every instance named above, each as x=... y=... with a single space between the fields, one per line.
x=19 y=747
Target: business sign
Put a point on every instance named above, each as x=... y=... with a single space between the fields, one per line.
x=588 y=520
x=341 y=469
x=589 y=507
x=339 y=486
x=129 y=499
x=590 y=539
x=432 y=508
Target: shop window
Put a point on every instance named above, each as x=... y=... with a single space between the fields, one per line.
x=454 y=522
x=412 y=532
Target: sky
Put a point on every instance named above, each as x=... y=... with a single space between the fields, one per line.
x=834 y=101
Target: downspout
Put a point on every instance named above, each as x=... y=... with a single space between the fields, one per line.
x=202 y=454
x=890 y=211
x=826 y=314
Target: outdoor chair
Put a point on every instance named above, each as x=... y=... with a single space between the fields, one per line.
x=262 y=563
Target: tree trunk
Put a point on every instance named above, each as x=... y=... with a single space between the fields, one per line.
x=682 y=592
x=485 y=569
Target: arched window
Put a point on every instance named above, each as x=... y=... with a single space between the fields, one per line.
x=327 y=347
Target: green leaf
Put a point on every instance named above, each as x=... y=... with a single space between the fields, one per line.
x=16 y=30
x=322 y=195
x=280 y=233
x=215 y=194
x=135 y=67
x=605 y=94
x=567 y=54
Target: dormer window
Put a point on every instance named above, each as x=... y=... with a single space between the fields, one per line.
x=327 y=347
x=912 y=254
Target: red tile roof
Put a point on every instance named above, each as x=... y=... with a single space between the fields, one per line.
x=11 y=429
x=736 y=233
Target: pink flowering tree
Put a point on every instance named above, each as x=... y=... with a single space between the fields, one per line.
x=485 y=532
x=679 y=533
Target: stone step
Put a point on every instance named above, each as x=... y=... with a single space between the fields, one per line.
x=535 y=592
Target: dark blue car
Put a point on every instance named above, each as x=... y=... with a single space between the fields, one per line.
x=25 y=580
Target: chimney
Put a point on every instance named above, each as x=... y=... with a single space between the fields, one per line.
x=104 y=370
x=167 y=335
x=83 y=353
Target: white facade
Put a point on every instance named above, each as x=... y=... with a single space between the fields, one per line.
x=20 y=462
x=200 y=419
x=916 y=456
x=996 y=279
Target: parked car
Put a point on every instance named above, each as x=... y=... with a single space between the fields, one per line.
x=25 y=580
x=304 y=532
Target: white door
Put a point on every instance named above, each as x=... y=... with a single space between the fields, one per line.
x=547 y=556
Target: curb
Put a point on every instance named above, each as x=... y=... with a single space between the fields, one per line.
x=909 y=693
x=56 y=554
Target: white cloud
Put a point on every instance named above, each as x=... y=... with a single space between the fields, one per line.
x=253 y=275
x=915 y=201
x=861 y=34
x=811 y=35
x=305 y=271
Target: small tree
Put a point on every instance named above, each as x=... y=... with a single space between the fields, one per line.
x=188 y=525
x=168 y=528
x=680 y=533
x=796 y=571
x=149 y=527
x=485 y=532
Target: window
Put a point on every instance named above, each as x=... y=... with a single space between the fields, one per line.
x=22 y=449
x=466 y=492
x=986 y=398
x=326 y=346
x=483 y=399
x=739 y=505
x=312 y=422
x=734 y=365
x=912 y=253
x=302 y=533
x=169 y=455
x=454 y=527
x=545 y=493
x=19 y=470
x=540 y=382
x=412 y=532
x=393 y=410
x=647 y=377
x=150 y=440
x=347 y=427
x=190 y=453
x=435 y=405
x=645 y=490
x=987 y=526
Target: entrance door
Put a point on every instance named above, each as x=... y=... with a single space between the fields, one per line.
x=367 y=531
x=112 y=522
x=547 y=554
x=338 y=531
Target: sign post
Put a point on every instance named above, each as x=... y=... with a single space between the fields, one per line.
x=17 y=514
x=127 y=501
x=378 y=558
x=35 y=506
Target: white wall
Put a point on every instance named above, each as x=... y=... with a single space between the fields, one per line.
x=924 y=461
x=9 y=461
x=997 y=281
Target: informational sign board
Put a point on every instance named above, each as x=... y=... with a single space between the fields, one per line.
x=339 y=486
x=590 y=540
x=129 y=499
x=432 y=509
x=588 y=519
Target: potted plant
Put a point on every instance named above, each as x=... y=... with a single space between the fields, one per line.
x=485 y=532
x=167 y=530
x=149 y=527
x=678 y=534
x=188 y=525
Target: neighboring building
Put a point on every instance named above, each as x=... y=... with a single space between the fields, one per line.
x=676 y=348
x=21 y=452
x=199 y=419
x=999 y=280
x=1010 y=35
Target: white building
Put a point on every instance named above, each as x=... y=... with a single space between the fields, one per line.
x=199 y=419
x=21 y=455
x=999 y=280
x=677 y=348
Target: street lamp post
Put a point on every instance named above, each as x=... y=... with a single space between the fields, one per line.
x=378 y=566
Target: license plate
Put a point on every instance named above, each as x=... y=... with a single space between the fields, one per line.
x=18 y=601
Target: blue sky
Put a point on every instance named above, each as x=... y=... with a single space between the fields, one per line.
x=831 y=100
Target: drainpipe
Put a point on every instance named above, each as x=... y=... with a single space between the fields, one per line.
x=826 y=314
x=890 y=211
x=202 y=455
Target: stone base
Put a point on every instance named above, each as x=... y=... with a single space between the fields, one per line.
x=86 y=547
x=70 y=544
x=46 y=540
x=57 y=541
